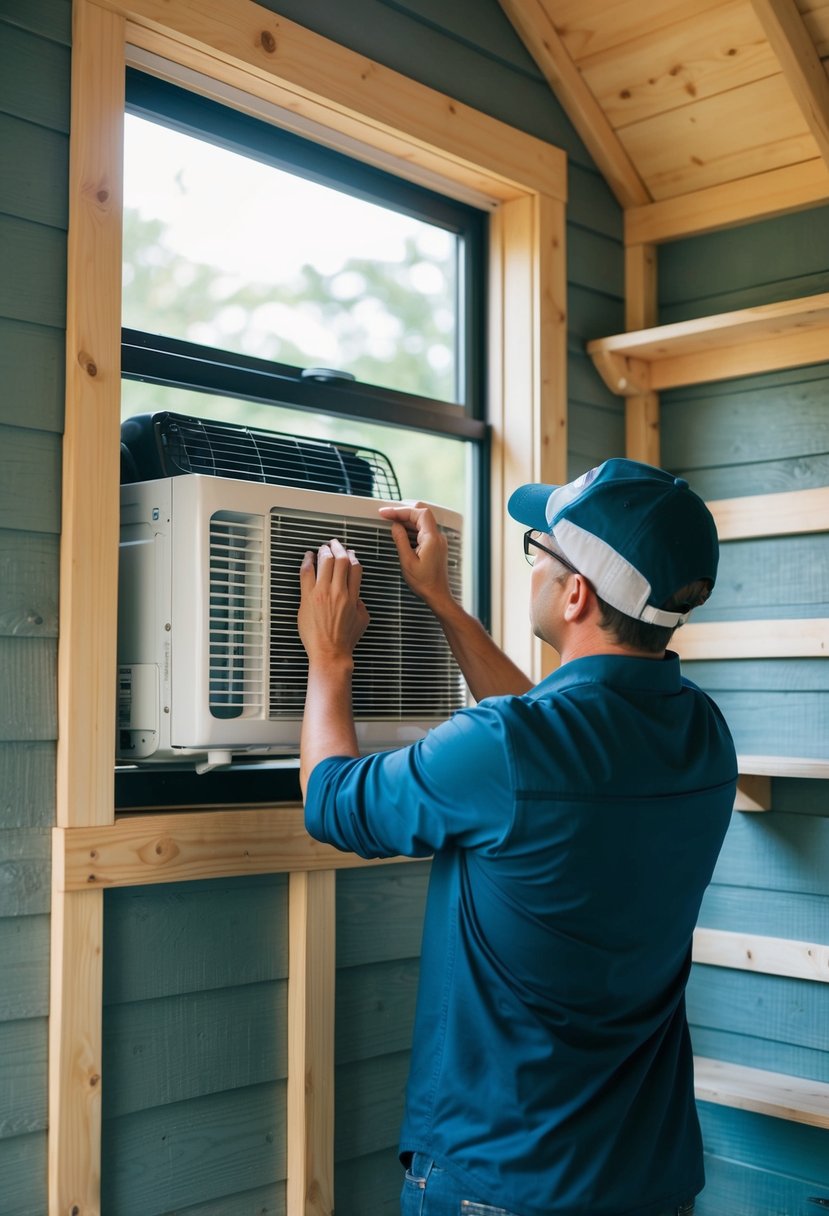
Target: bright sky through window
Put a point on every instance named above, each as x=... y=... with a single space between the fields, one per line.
x=226 y=251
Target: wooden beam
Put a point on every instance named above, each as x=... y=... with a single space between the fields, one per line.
x=535 y=23
x=91 y=440
x=788 y=514
x=774 y=639
x=753 y=793
x=139 y=850
x=769 y=1093
x=75 y=1052
x=769 y=955
x=641 y=312
x=802 y=68
x=751 y=340
x=777 y=192
x=311 y=980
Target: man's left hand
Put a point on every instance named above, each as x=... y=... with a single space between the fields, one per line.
x=332 y=618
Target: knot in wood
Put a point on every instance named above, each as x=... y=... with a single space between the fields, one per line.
x=88 y=363
x=267 y=42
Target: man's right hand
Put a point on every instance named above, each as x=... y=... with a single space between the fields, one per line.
x=425 y=567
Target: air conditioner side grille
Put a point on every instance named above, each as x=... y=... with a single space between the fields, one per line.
x=236 y=653
x=404 y=668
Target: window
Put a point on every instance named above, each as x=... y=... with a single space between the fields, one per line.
x=252 y=257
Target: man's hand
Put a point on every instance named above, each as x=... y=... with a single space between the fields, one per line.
x=425 y=567
x=332 y=618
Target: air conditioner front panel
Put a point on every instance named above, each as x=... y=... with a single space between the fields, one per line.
x=238 y=668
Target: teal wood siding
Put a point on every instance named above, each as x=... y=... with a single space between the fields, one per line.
x=379 y=920
x=195 y=1048
x=757 y=435
x=34 y=123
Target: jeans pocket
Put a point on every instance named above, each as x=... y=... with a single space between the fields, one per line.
x=470 y=1208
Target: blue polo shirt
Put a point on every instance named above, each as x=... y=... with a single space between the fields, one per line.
x=574 y=830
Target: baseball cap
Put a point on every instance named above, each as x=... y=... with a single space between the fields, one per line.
x=637 y=533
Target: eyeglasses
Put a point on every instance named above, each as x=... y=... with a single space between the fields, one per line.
x=529 y=540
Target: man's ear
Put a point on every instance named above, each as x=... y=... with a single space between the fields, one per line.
x=580 y=599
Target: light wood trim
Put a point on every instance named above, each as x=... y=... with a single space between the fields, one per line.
x=245 y=46
x=769 y=1093
x=802 y=68
x=144 y=849
x=787 y=514
x=753 y=793
x=535 y=23
x=750 y=340
x=773 y=639
x=769 y=955
x=89 y=541
x=761 y=196
x=641 y=312
x=784 y=766
x=311 y=981
x=75 y=1052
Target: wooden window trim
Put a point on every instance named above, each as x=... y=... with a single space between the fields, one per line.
x=368 y=110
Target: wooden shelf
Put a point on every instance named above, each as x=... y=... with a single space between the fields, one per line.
x=783 y=766
x=767 y=955
x=742 y=343
x=769 y=1093
x=788 y=638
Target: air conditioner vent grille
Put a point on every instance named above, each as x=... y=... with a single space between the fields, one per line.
x=404 y=668
x=222 y=449
x=236 y=623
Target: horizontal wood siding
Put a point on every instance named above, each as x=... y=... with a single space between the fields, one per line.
x=757 y=435
x=34 y=121
x=379 y=918
x=195 y=1047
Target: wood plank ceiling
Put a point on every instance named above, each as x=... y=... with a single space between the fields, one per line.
x=721 y=101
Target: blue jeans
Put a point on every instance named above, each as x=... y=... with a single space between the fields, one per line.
x=429 y=1190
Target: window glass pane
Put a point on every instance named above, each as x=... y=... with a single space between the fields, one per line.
x=432 y=468
x=225 y=251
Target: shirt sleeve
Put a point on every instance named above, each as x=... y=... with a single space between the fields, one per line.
x=452 y=788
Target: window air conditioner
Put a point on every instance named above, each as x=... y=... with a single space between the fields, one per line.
x=209 y=659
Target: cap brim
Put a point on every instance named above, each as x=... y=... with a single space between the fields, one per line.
x=528 y=505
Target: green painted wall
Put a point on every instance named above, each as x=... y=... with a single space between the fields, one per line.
x=760 y=435
x=34 y=121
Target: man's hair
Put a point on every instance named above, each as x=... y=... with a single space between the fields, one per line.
x=640 y=635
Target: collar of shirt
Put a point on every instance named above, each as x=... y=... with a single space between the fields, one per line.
x=617 y=671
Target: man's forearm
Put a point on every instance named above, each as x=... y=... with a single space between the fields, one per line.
x=485 y=667
x=328 y=722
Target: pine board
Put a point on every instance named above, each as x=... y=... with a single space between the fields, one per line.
x=157 y=1161
x=182 y=1047
x=169 y=940
x=32 y=369
x=27 y=785
x=23 y=1077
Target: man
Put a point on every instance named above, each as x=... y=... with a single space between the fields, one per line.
x=574 y=826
